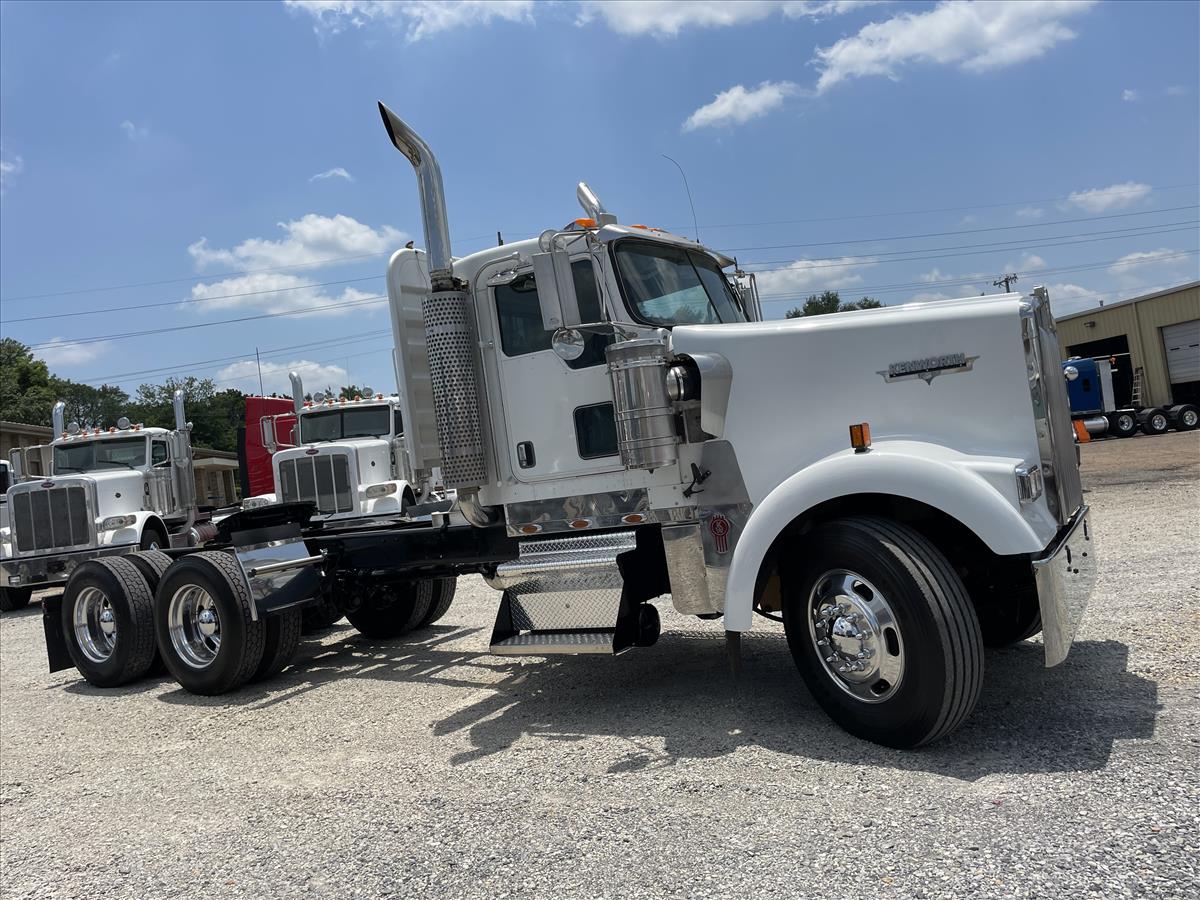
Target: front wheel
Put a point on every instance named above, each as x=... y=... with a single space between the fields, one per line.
x=392 y=610
x=207 y=636
x=1122 y=424
x=882 y=631
x=14 y=598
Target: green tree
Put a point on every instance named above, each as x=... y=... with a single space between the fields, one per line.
x=26 y=393
x=91 y=406
x=830 y=302
x=215 y=415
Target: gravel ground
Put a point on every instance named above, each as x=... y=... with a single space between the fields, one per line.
x=387 y=769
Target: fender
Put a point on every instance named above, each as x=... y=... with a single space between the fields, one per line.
x=132 y=534
x=980 y=492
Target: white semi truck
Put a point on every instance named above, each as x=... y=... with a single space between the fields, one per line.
x=899 y=487
x=112 y=491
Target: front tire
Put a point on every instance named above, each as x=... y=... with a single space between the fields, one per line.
x=153 y=539
x=206 y=635
x=14 y=598
x=107 y=622
x=443 y=596
x=392 y=610
x=1122 y=424
x=882 y=631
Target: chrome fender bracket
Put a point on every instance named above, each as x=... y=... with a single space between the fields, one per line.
x=279 y=574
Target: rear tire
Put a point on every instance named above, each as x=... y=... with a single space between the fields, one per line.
x=152 y=564
x=392 y=610
x=1185 y=417
x=1155 y=422
x=14 y=598
x=1122 y=424
x=882 y=631
x=206 y=635
x=107 y=622
x=279 y=647
x=319 y=616
x=443 y=596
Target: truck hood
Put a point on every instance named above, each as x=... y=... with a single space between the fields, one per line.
x=950 y=372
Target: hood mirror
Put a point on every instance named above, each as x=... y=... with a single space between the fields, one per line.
x=568 y=344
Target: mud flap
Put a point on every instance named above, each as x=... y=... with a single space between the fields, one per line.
x=56 y=645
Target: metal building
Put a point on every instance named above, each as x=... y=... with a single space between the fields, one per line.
x=1155 y=337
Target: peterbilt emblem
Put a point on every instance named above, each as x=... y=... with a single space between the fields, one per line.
x=719 y=527
x=312 y=451
x=47 y=484
x=928 y=368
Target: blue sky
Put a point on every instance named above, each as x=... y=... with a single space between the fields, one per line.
x=205 y=161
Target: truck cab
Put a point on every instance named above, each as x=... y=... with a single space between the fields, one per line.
x=343 y=455
x=111 y=491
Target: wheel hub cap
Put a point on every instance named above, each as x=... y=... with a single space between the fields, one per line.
x=94 y=624
x=855 y=634
x=195 y=626
x=1189 y=419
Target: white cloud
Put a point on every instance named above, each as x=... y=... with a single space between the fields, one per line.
x=1130 y=96
x=974 y=36
x=666 y=18
x=9 y=167
x=738 y=105
x=274 y=292
x=1143 y=258
x=417 y=18
x=135 y=132
x=244 y=376
x=1030 y=212
x=1030 y=262
x=1176 y=90
x=309 y=239
x=1069 y=298
x=57 y=352
x=336 y=172
x=1117 y=196
x=808 y=275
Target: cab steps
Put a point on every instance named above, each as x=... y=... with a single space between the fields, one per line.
x=563 y=596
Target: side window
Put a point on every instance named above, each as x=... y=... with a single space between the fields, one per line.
x=158 y=452
x=399 y=423
x=596 y=431
x=520 y=316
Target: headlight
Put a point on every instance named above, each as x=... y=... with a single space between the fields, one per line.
x=112 y=523
x=1029 y=482
x=380 y=490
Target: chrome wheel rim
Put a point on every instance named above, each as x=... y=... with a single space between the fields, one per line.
x=95 y=624
x=195 y=626
x=855 y=635
x=1158 y=422
x=1190 y=417
x=1126 y=423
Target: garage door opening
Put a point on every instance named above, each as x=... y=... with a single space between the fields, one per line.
x=1182 y=345
x=1117 y=349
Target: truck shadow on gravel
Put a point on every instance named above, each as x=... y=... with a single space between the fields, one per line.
x=678 y=702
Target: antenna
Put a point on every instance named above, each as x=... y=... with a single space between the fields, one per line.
x=689 y=193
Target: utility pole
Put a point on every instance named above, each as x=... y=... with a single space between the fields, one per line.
x=1004 y=280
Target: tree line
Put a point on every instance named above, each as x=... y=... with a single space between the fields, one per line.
x=830 y=302
x=29 y=390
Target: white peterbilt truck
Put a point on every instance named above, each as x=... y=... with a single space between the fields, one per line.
x=898 y=487
x=112 y=491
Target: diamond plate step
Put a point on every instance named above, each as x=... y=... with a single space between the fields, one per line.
x=547 y=643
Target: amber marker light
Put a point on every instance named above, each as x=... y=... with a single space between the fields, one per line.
x=860 y=437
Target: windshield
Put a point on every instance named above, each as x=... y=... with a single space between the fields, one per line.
x=336 y=424
x=87 y=456
x=667 y=285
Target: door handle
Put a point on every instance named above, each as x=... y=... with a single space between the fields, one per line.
x=526 y=458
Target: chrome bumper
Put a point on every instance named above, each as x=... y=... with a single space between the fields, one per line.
x=47 y=571
x=1065 y=575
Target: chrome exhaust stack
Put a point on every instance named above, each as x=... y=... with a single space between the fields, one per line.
x=182 y=468
x=433 y=198
x=592 y=206
x=297 y=391
x=59 y=417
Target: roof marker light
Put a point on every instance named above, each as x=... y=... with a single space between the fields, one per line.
x=860 y=437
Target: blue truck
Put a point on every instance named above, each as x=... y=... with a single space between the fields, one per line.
x=1090 y=390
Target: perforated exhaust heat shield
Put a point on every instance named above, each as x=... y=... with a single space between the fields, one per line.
x=450 y=337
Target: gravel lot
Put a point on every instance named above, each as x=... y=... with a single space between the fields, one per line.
x=388 y=769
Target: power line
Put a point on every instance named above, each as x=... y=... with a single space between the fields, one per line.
x=128 y=334
x=112 y=309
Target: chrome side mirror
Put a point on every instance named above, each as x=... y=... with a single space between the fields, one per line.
x=556 y=290
x=1071 y=373
x=568 y=344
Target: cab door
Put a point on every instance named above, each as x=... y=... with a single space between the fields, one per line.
x=558 y=414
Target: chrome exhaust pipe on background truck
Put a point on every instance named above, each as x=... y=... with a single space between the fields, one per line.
x=297 y=391
x=59 y=417
x=182 y=468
